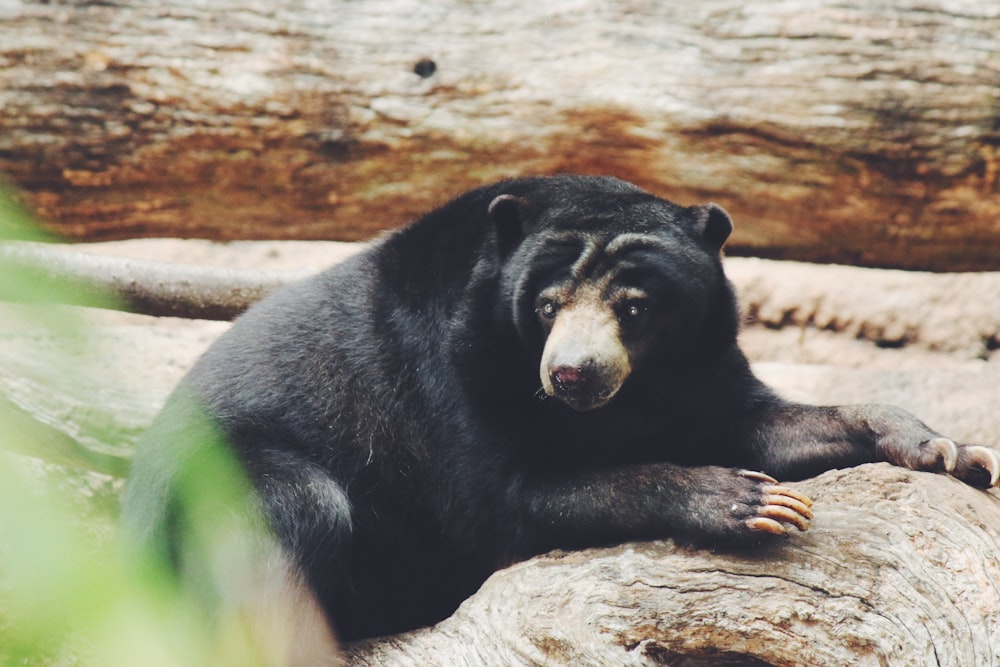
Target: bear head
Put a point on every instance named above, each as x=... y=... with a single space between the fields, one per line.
x=608 y=284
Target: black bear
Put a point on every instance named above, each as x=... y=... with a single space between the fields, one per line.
x=540 y=363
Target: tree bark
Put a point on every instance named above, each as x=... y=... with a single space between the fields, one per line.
x=898 y=568
x=859 y=133
x=150 y=287
x=954 y=312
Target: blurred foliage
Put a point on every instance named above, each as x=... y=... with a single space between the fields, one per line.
x=20 y=282
x=72 y=591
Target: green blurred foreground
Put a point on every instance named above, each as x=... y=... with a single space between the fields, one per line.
x=72 y=592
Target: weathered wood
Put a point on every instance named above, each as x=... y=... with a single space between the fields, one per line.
x=149 y=287
x=861 y=132
x=898 y=568
x=25 y=433
x=951 y=312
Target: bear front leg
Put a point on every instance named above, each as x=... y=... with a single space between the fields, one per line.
x=797 y=441
x=705 y=506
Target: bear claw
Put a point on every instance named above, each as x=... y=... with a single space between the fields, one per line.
x=784 y=514
x=948 y=450
x=789 y=495
x=780 y=507
x=797 y=503
x=758 y=476
x=987 y=459
x=766 y=525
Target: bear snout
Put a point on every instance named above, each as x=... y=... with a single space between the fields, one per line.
x=582 y=387
x=584 y=362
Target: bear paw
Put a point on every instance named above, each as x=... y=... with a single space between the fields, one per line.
x=732 y=508
x=977 y=466
x=973 y=464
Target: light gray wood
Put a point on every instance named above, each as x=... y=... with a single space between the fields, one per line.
x=897 y=568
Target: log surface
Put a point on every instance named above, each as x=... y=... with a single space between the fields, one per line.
x=897 y=568
x=859 y=132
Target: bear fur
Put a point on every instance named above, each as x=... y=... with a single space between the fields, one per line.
x=540 y=363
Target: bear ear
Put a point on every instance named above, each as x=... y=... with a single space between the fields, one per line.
x=506 y=212
x=713 y=223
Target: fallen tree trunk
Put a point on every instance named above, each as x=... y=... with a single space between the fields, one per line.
x=955 y=312
x=858 y=133
x=963 y=322
x=150 y=287
x=898 y=568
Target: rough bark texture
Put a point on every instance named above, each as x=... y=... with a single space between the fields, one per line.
x=898 y=568
x=862 y=132
x=952 y=312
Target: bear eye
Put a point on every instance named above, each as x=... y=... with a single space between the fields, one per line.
x=633 y=310
x=547 y=309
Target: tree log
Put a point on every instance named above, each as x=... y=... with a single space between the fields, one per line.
x=150 y=287
x=897 y=568
x=953 y=312
x=858 y=132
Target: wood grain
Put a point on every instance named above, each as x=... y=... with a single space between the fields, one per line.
x=858 y=132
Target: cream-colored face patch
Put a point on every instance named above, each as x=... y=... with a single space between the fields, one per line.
x=588 y=257
x=584 y=361
x=631 y=240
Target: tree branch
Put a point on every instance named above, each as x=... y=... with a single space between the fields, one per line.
x=144 y=286
x=894 y=312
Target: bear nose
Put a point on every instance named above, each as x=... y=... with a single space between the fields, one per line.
x=572 y=379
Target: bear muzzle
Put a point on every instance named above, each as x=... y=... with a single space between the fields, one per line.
x=580 y=387
x=584 y=362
